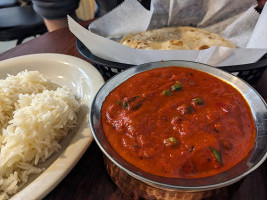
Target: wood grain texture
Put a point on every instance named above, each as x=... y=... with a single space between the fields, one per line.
x=89 y=178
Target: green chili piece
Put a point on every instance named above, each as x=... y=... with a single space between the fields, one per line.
x=132 y=99
x=172 y=140
x=198 y=101
x=216 y=130
x=167 y=92
x=217 y=154
x=189 y=109
x=118 y=102
x=177 y=87
x=125 y=105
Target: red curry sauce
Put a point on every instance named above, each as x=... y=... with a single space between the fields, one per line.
x=178 y=122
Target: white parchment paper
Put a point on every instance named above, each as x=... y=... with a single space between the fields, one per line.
x=233 y=19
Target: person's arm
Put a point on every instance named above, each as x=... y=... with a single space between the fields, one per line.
x=55 y=12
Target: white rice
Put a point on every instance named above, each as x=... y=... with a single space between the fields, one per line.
x=33 y=119
x=25 y=82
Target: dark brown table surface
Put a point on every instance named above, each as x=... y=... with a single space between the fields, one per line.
x=89 y=178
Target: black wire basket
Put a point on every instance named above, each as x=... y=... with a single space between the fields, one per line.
x=248 y=72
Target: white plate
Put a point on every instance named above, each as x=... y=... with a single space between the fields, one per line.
x=84 y=80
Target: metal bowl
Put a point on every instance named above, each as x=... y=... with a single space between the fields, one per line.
x=155 y=187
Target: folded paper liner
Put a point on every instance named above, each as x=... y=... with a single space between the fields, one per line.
x=232 y=19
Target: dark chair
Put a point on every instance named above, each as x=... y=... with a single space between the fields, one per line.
x=9 y=3
x=20 y=22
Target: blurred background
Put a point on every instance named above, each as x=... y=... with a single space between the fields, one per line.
x=18 y=20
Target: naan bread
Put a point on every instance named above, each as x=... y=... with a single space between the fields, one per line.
x=176 y=38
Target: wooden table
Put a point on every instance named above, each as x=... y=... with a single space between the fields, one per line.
x=89 y=179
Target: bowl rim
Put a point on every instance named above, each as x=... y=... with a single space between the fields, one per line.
x=259 y=112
